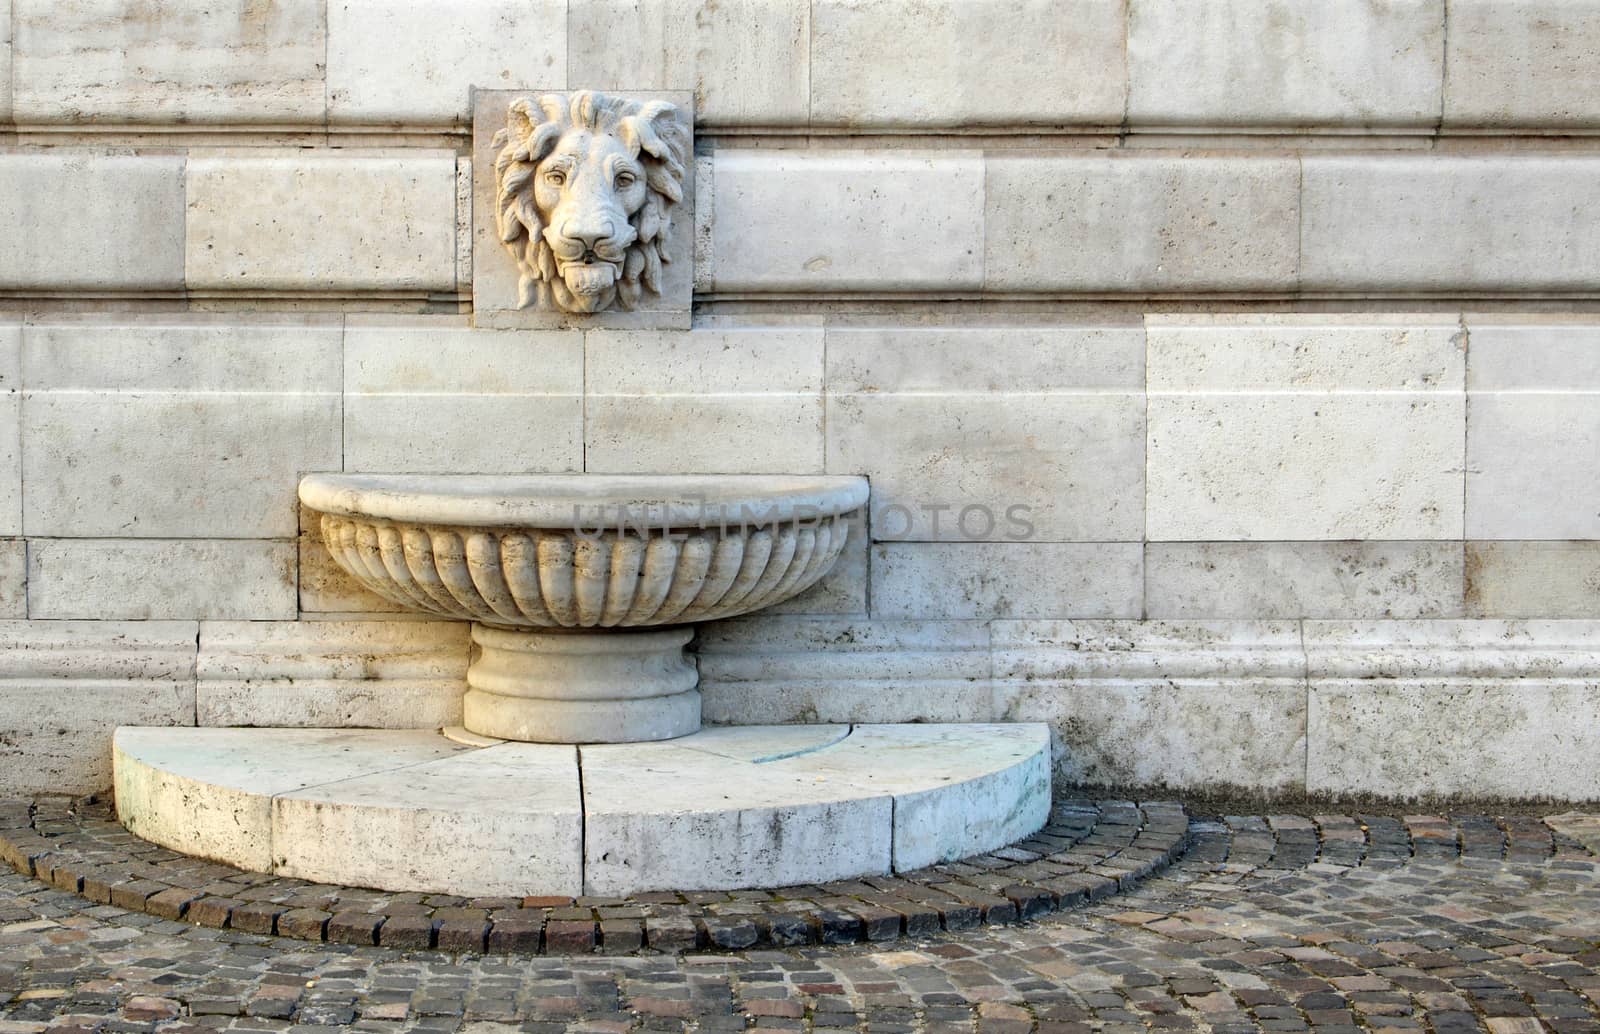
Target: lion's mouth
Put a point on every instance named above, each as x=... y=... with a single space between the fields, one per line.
x=589 y=277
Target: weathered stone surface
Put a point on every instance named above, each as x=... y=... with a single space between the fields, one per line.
x=530 y=213
x=209 y=792
x=1305 y=465
x=838 y=796
x=362 y=674
x=886 y=63
x=5 y=65
x=1144 y=704
x=305 y=223
x=756 y=671
x=69 y=683
x=180 y=427
x=1068 y=466
x=746 y=61
x=995 y=359
x=983 y=580
x=55 y=203
x=416 y=61
x=1522 y=63
x=874 y=221
x=502 y=820
x=1532 y=352
x=1391 y=702
x=10 y=432
x=141 y=579
x=1303 y=579
x=1533 y=579
x=1285 y=63
x=119 y=463
x=13 y=579
x=107 y=61
x=1324 y=352
x=453 y=381
x=1530 y=465
x=704 y=434
x=745 y=401
x=1469 y=223
x=1119 y=223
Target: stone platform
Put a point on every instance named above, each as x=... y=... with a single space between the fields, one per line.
x=726 y=808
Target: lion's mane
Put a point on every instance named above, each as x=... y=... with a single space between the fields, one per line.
x=533 y=128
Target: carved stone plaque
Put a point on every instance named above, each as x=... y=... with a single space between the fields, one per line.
x=582 y=208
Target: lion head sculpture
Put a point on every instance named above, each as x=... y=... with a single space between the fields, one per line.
x=586 y=187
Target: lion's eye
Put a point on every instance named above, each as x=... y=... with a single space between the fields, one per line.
x=555 y=177
x=625 y=180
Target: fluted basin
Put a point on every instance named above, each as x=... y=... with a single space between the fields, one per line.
x=555 y=570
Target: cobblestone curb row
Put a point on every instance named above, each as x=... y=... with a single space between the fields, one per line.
x=1088 y=851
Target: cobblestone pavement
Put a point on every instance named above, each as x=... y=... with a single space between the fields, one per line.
x=1087 y=850
x=1330 y=923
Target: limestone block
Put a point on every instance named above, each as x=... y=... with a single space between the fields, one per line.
x=110 y=61
x=995 y=359
x=525 y=385
x=5 y=65
x=1533 y=579
x=712 y=434
x=320 y=674
x=982 y=580
x=882 y=797
x=1139 y=223
x=505 y=820
x=416 y=61
x=542 y=256
x=757 y=360
x=184 y=353
x=1032 y=63
x=1527 y=352
x=1325 y=352
x=646 y=826
x=992 y=467
x=64 y=685
x=209 y=792
x=1391 y=703
x=760 y=670
x=746 y=61
x=1305 y=466
x=54 y=207
x=870 y=221
x=1457 y=223
x=10 y=432
x=1524 y=63
x=13 y=579
x=119 y=463
x=1285 y=63
x=142 y=579
x=1215 y=703
x=310 y=223
x=959 y=790
x=1531 y=464
x=1303 y=579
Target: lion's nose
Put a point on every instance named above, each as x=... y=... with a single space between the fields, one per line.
x=592 y=234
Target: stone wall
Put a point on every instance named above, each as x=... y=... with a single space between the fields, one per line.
x=1277 y=317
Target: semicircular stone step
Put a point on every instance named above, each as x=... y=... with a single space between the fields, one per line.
x=726 y=808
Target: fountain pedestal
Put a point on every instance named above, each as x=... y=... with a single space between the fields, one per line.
x=581 y=687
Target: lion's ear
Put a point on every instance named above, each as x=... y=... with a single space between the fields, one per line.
x=519 y=119
x=654 y=130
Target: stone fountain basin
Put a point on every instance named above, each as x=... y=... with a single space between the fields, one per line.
x=585 y=550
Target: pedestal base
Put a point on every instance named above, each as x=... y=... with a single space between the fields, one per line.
x=726 y=808
x=582 y=686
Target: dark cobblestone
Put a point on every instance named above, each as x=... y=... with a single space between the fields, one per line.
x=77 y=846
x=1254 y=928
